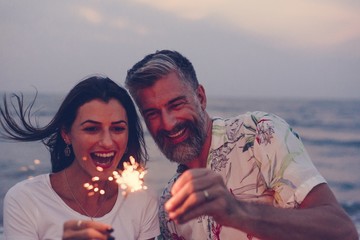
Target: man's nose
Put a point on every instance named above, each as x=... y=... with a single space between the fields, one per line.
x=168 y=120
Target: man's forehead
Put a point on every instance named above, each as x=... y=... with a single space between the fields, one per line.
x=164 y=90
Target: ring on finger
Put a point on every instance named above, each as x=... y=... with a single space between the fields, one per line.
x=207 y=195
x=78 y=224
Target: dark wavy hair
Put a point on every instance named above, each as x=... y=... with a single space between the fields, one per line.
x=17 y=125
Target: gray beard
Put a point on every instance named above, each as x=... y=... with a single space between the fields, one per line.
x=188 y=150
x=183 y=152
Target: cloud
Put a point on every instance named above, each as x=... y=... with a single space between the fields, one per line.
x=296 y=23
x=188 y=9
x=90 y=14
x=95 y=15
x=293 y=44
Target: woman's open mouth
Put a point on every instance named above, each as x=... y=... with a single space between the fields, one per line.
x=103 y=160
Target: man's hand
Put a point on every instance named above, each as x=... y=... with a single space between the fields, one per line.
x=200 y=192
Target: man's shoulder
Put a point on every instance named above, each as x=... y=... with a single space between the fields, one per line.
x=241 y=117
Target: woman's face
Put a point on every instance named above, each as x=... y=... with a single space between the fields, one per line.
x=99 y=137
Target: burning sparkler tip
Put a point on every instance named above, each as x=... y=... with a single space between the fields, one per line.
x=130 y=179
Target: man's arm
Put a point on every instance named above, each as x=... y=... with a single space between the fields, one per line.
x=319 y=217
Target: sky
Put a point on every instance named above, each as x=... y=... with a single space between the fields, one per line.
x=260 y=49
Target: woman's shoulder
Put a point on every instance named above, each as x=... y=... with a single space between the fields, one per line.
x=28 y=186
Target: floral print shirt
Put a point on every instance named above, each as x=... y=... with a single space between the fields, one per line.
x=261 y=159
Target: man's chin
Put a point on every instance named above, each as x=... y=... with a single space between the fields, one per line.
x=180 y=156
x=181 y=153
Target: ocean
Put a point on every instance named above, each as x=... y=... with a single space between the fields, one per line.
x=330 y=130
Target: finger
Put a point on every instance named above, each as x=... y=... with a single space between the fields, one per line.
x=79 y=224
x=72 y=224
x=189 y=189
x=87 y=233
x=197 y=199
x=220 y=204
x=193 y=201
x=205 y=209
x=193 y=181
x=79 y=229
x=101 y=227
x=188 y=176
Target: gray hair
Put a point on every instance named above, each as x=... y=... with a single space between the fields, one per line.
x=157 y=65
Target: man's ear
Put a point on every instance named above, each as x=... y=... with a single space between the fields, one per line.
x=200 y=91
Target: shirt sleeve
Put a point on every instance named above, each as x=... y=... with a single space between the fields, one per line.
x=167 y=226
x=285 y=164
x=19 y=216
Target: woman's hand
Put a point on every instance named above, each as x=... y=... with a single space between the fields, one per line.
x=78 y=229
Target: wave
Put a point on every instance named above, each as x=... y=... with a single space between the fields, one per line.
x=345 y=186
x=332 y=142
x=340 y=124
x=353 y=209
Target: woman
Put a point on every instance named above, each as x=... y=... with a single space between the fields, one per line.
x=94 y=131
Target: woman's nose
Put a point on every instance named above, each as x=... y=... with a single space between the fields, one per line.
x=106 y=139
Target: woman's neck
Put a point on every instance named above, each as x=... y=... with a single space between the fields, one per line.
x=92 y=199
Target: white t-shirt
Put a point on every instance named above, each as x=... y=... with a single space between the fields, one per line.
x=33 y=210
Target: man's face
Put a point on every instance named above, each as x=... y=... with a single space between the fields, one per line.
x=175 y=116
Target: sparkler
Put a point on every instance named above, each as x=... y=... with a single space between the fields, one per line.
x=130 y=179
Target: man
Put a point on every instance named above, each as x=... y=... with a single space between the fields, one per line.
x=245 y=177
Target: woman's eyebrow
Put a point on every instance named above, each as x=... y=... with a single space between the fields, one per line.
x=89 y=121
x=96 y=122
x=120 y=121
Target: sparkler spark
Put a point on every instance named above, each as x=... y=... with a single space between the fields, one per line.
x=130 y=179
